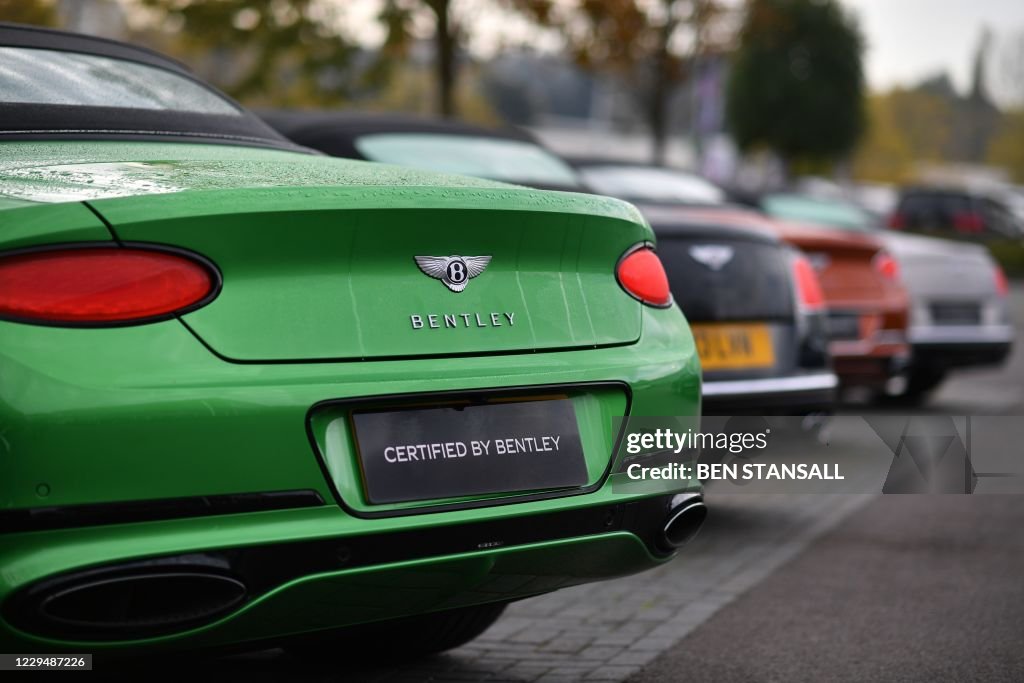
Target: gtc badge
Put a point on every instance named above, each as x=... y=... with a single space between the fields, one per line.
x=714 y=256
x=454 y=271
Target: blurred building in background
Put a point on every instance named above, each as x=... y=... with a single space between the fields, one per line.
x=576 y=112
x=973 y=117
x=95 y=17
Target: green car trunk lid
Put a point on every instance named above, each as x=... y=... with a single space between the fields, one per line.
x=318 y=255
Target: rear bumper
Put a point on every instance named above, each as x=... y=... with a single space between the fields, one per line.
x=961 y=335
x=147 y=419
x=868 y=371
x=870 y=362
x=294 y=582
x=960 y=346
x=795 y=394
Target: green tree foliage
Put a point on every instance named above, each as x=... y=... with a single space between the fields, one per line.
x=883 y=155
x=38 y=12
x=263 y=52
x=797 y=82
x=904 y=127
x=450 y=85
x=650 y=46
x=398 y=18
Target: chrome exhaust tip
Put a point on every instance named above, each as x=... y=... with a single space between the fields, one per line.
x=684 y=521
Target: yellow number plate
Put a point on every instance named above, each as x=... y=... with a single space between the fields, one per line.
x=734 y=347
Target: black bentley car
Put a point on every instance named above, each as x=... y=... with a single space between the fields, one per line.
x=507 y=154
x=754 y=303
x=757 y=314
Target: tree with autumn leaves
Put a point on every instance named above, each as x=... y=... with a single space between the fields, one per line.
x=398 y=16
x=264 y=52
x=650 y=47
x=38 y=12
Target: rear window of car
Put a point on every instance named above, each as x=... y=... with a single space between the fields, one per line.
x=915 y=204
x=645 y=184
x=824 y=212
x=754 y=284
x=934 y=209
x=944 y=204
x=492 y=158
x=51 y=77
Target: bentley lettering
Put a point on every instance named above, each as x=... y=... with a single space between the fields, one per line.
x=437 y=321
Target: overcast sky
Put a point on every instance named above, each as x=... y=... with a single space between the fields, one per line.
x=912 y=39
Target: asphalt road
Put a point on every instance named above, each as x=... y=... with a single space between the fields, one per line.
x=911 y=588
x=777 y=588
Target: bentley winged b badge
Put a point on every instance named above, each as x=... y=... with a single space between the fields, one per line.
x=454 y=271
x=714 y=256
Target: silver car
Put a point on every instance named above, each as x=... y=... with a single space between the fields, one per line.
x=959 y=314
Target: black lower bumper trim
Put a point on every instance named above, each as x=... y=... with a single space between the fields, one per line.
x=960 y=354
x=261 y=568
x=781 y=403
x=122 y=512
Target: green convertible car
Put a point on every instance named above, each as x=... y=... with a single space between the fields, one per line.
x=253 y=394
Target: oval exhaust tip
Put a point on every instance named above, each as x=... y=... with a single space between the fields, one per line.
x=137 y=604
x=684 y=522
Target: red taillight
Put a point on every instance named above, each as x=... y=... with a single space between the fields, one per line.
x=887 y=266
x=1002 y=284
x=969 y=222
x=100 y=285
x=641 y=274
x=808 y=289
x=897 y=221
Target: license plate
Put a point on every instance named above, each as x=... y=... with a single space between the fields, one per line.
x=956 y=314
x=734 y=347
x=844 y=326
x=452 y=451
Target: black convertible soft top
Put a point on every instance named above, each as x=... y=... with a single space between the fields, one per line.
x=336 y=132
x=35 y=121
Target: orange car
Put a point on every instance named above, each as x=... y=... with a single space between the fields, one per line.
x=867 y=306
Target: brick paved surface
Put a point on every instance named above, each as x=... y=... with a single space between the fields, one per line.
x=608 y=631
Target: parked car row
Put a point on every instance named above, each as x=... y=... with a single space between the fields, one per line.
x=958 y=313
x=958 y=211
x=780 y=289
